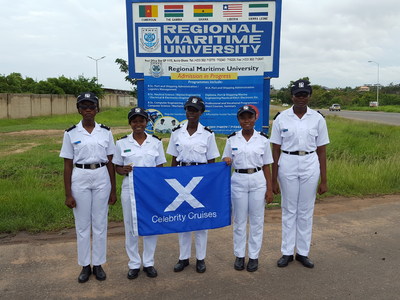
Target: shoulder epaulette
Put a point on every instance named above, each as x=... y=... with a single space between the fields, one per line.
x=208 y=129
x=123 y=137
x=179 y=126
x=232 y=134
x=69 y=129
x=320 y=113
x=105 y=127
x=264 y=134
x=277 y=114
x=154 y=136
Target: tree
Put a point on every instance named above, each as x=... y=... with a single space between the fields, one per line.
x=124 y=68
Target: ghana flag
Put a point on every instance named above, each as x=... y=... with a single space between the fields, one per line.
x=202 y=10
x=147 y=11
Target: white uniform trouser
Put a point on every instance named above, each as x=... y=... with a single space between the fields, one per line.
x=91 y=191
x=248 y=200
x=185 y=244
x=132 y=242
x=298 y=178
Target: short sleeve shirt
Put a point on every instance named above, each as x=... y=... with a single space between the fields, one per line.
x=129 y=152
x=295 y=134
x=198 y=147
x=87 y=148
x=253 y=153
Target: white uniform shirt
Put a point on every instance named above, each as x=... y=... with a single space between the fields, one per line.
x=295 y=134
x=149 y=154
x=198 y=147
x=87 y=148
x=253 y=153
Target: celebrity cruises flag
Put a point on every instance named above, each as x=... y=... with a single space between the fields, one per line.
x=179 y=199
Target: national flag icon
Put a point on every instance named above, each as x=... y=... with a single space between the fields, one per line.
x=202 y=10
x=171 y=11
x=147 y=11
x=232 y=10
x=258 y=10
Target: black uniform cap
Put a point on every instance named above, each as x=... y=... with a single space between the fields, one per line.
x=87 y=96
x=137 y=111
x=301 y=86
x=196 y=102
x=246 y=108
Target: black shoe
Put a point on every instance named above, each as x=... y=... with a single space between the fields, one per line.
x=252 y=265
x=150 y=271
x=181 y=265
x=200 y=266
x=305 y=261
x=85 y=274
x=133 y=273
x=99 y=273
x=239 y=263
x=285 y=260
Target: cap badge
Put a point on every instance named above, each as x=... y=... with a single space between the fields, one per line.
x=194 y=100
x=245 y=107
x=301 y=84
x=87 y=95
x=137 y=110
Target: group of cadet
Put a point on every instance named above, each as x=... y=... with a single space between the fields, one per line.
x=298 y=158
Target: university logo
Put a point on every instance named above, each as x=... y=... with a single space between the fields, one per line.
x=149 y=40
x=184 y=194
x=156 y=70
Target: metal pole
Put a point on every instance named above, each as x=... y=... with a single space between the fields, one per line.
x=97 y=69
x=377 y=85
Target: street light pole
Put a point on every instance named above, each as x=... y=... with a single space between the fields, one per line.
x=377 y=86
x=97 y=69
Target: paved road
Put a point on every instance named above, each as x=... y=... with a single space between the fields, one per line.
x=356 y=250
x=370 y=116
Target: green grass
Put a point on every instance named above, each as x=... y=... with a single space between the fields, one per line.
x=362 y=160
x=385 y=108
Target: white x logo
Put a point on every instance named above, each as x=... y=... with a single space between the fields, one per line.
x=184 y=193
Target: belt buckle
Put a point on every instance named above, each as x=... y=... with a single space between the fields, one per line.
x=189 y=164
x=251 y=171
x=302 y=153
x=92 y=166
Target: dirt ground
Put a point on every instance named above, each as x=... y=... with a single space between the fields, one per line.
x=356 y=250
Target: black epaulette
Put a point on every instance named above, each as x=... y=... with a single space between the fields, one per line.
x=277 y=114
x=264 y=134
x=231 y=135
x=69 y=129
x=123 y=137
x=320 y=113
x=154 y=136
x=208 y=129
x=105 y=127
x=176 y=128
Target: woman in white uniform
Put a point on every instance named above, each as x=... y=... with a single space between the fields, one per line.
x=89 y=180
x=249 y=152
x=192 y=144
x=299 y=138
x=140 y=150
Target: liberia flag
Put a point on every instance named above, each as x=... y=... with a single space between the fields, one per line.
x=147 y=11
x=171 y=11
x=202 y=10
x=232 y=10
x=258 y=10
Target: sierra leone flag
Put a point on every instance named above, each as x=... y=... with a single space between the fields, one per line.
x=148 y=11
x=202 y=10
x=171 y=11
x=258 y=10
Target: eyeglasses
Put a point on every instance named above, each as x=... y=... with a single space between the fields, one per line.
x=84 y=107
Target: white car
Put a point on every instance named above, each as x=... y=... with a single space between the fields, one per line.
x=334 y=107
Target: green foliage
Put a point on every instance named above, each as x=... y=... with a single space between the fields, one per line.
x=15 y=83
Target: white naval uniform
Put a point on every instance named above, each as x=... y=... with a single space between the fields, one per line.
x=149 y=154
x=90 y=188
x=248 y=190
x=198 y=147
x=298 y=175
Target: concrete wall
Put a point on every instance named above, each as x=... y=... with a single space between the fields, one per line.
x=17 y=106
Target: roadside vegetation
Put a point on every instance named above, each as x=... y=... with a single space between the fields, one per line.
x=362 y=160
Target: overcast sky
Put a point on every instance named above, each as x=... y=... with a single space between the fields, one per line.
x=330 y=41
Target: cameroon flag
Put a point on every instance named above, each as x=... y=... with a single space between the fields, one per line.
x=147 y=11
x=203 y=10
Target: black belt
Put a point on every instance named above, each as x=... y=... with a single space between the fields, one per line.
x=248 y=171
x=90 y=166
x=301 y=153
x=189 y=163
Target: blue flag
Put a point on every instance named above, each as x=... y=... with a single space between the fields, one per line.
x=179 y=199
